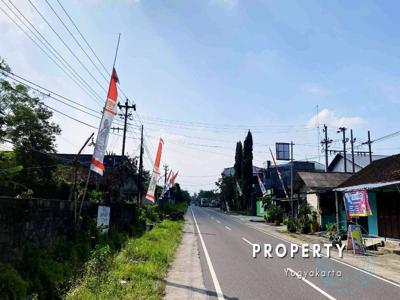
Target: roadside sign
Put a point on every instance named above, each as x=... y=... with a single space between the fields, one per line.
x=103 y=218
x=354 y=239
x=282 y=151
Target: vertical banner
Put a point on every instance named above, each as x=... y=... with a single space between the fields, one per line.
x=262 y=187
x=156 y=173
x=356 y=203
x=279 y=174
x=110 y=110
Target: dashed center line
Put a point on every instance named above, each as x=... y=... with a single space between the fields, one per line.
x=247 y=241
x=228 y=228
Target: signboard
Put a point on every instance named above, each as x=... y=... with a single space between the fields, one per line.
x=282 y=151
x=103 y=218
x=354 y=239
x=357 y=204
x=260 y=208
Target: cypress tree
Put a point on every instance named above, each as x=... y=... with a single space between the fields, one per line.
x=247 y=172
x=238 y=172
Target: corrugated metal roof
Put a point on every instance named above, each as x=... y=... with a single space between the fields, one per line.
x=368 y=186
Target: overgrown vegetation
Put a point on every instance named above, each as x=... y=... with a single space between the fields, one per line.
x=136 y=272
x=51 y=273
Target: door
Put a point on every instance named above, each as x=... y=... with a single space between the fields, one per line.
x=388 y=206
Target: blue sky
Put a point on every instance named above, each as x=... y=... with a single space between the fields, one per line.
x=203 y=72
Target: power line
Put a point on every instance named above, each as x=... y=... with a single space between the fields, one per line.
x=66 y=67
x=65 y=44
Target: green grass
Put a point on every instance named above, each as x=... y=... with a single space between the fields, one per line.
x=136 y=272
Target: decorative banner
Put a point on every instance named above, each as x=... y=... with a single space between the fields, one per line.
x=354 y=239
x=279 y=174
x=156 y=173
x=110 y=110
x=262 y=187
x=103 y=218
x=166 y=185
x=239 y=189
x=173 y=178
x=356 y=204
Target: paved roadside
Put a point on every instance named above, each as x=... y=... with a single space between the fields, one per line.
x=185 y=277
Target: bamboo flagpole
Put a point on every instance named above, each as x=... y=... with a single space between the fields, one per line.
x=109 y=111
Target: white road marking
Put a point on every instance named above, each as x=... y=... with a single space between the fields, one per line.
x=228 y=228
x=218 y=221
x=218 y=290
x=247 y=241
x=312 y=285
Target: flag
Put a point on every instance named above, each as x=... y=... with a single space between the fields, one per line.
x=110 y=110
x=166 y=185
x=262 y=187
x=172 y=181
x=279 y=174
x=156 y=173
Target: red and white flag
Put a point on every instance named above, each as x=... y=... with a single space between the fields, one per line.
x=172 y=181
x=110 y=110
x=156 y=173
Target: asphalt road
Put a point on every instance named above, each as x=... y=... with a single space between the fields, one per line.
x=230 y=271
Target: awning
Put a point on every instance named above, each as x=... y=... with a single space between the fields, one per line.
x=367 y=186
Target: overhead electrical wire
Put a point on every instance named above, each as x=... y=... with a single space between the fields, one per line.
x=56 y=54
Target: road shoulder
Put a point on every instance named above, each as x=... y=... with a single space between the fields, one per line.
x=185 y=277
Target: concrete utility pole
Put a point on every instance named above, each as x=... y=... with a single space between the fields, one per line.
x=140 y=168
x=126 y=115
x=369 y=142
x=165 y=174
x=343 y=130
x=352 y=141
x=326 y=143
x=291 y=177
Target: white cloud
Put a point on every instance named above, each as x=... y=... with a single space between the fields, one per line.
x=315 y=90
x=330 y=118
x=230 y=4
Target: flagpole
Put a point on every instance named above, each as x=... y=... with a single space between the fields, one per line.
x=89 y=172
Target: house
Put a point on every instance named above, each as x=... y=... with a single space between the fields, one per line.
x=230 y=171
x=360 y=162
x=274 y=185
x=316 y=188
x=121 y=174
x=381 y=180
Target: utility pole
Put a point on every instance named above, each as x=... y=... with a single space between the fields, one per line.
x=369 y=142
x=165 y=174
x=140 y=168
x=352 y=141
x=343 y=130
x=326 y=143
x=126 y=115
x=291 y=178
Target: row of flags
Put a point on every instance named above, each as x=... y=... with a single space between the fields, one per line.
x=97 y=162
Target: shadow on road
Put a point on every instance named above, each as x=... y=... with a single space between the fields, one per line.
x=198 y=290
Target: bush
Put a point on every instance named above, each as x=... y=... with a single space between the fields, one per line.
x=274 y=213
x=292 y=225
x=172 y=211
x=12 y=286
x=304 y=217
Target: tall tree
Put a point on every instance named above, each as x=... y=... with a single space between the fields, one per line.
x=26 y=123
x=238 y=174
x=238 y=160
x=247 y=172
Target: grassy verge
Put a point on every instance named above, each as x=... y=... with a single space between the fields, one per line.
x=136 y=272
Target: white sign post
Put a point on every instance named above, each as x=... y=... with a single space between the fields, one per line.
x=103 y=218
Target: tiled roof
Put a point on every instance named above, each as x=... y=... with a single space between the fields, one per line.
x=383 y=170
